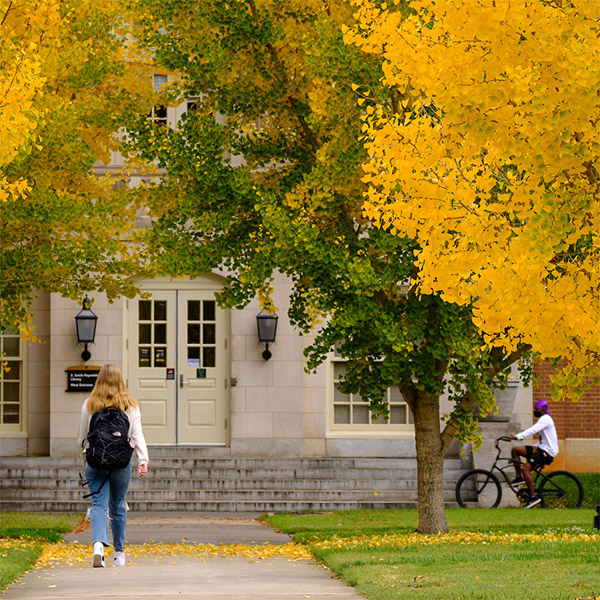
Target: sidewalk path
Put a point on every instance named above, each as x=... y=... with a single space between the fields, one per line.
x=185 y=577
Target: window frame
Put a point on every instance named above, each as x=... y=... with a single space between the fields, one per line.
x=16 y=430
x=366 y=430
x=158 y=80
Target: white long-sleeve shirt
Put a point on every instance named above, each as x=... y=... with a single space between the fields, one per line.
x=544 y=426
x=136 y=435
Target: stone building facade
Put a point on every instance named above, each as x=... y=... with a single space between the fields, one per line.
x=201 y=380
x=199 y=375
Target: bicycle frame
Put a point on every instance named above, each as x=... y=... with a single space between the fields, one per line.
x=517 y=489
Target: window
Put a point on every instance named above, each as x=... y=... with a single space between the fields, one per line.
x=349 y=413
x=191 y=104
x=11 y=382
x=158 y=114
x=201 y=333
x=152 y=333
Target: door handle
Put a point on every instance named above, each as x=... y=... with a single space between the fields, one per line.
x=182 y=381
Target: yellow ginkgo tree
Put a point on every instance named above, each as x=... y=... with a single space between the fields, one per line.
x=28 y=34
x=68 y=78
x=489 y=159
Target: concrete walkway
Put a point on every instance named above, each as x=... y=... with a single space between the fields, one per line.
x=183 y=577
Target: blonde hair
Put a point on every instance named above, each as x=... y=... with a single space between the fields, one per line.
x=109 y=390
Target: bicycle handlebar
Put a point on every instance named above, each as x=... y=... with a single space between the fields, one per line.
x=501 y=439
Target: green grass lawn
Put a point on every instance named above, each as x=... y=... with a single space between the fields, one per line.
x=22 y=536
x=313 y=527
x=591 y=489
x=508 y=554
x=532 y=571
x=16 y=560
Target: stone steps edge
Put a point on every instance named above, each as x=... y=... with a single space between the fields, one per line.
x=225 y=484
x=216 y=507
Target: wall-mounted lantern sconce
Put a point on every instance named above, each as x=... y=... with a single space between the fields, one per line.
x=267 y=330
x=85 y=321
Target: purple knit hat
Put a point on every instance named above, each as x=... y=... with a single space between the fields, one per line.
x=542 y=405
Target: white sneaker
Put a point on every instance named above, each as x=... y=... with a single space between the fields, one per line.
x=533 y=500
x=98 y=555
x=119 y=559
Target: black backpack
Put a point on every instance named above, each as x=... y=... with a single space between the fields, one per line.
x=107 y=445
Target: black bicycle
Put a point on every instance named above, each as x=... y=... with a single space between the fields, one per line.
x=480 y=487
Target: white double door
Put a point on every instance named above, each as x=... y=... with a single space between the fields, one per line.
x=178 y=366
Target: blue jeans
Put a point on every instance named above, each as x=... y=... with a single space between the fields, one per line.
x=109 y=501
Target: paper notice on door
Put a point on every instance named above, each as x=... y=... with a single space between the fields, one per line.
x=193 y=363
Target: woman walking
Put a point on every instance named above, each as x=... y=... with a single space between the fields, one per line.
x=108 y=488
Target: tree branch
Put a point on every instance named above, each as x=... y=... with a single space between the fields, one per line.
x=467 y=401
x=6 y=13
x=292 y=102
x=409 y=393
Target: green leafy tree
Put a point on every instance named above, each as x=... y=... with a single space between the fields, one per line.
x=68 y=79
x=264 y=174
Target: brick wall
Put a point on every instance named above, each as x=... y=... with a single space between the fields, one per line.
x=572 y=419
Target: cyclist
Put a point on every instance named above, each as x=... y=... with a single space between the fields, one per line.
x=540 y=455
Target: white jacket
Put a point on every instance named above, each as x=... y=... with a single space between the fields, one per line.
x=544 y=426
x=136 y=435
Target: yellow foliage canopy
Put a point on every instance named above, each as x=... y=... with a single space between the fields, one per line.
x=490 y=160
x=28 y=32
x=68 y=78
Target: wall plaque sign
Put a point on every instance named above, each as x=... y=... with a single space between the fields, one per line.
x=81 y=378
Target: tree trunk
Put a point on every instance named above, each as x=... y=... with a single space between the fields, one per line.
x=430 y=464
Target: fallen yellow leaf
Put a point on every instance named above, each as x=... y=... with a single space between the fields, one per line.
x=75 y=552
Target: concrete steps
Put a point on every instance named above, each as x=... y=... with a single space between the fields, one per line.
x=184 y=479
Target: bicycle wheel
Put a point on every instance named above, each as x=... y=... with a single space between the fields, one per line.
x=478 y=486
x=561 y=489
